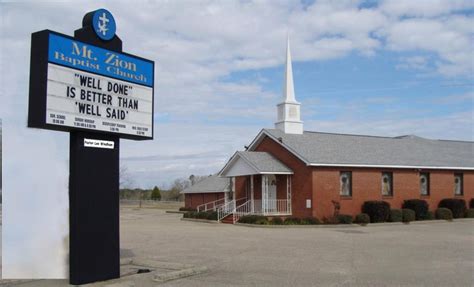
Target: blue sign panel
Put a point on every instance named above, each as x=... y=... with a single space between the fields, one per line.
x=89 y=58
x=104 y=24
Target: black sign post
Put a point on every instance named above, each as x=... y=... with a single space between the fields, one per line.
x=87 y=86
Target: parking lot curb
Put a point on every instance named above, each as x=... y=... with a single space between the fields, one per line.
x=354 y=225
x=200 y=220
x=180 y=274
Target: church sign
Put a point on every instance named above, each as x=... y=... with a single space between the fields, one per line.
x=82 y=86
x=87 y=86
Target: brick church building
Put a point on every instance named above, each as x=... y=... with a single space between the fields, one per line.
x=287 y=171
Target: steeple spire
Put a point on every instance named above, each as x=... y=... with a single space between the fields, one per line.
x=289 y=118
x=288 y=88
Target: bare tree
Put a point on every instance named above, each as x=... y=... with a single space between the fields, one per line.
x=178 y=185
x=126 y=180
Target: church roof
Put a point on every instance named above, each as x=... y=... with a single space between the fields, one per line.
x=253 y=162
x=330 y=149
x=210 y=184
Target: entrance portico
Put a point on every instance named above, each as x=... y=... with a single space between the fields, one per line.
x=261 y=184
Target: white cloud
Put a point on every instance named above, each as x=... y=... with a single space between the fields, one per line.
x=415 y=63
x=424 y=8
x=452 y=44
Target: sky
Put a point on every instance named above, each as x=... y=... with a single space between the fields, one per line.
x=383 y=68
x=366 y=67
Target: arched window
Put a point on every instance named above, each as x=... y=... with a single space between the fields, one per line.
x=424 y=183
x=458 y=184
x=346 y=183
x=387 y=184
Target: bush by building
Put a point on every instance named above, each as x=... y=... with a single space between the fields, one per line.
x=277 y=221
x=344 y=219
x=310 y=221
x=362 y=219
x=419 y=206
x=378 y=211
x=456 y=205
x=262 y=221
x=396 y=215
x=209 y=215
x=444 y=213
x=408 y=215
x=471 y=203
x=430 y=215
x=251 y=219
x=470 y=213
x=292 y=221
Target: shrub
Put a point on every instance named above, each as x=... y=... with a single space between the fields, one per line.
x=201 y=215
x=277 y=221
x=396 y=215
x=362 y=218
x=344 y=219
x=330 y=220
x=456 y=205
x=310 y=221
x=211 y=215
x=408 y=215
x=378 y=211
x=262 y=221
x=470 y=213
x=419 y=206
x=430 y=215
x=292 y=221
x=471 y=203
x=251 y=219
x=443 y=213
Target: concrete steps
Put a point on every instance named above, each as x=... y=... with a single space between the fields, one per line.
x=229 y=219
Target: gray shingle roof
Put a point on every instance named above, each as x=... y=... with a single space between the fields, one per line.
x=210 y=184
x=405 y=151
x=253 y=162
x=264 y=162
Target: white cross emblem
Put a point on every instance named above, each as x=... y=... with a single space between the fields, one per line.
x=103 y=20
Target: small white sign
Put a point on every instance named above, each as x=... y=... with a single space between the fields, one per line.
x=99 y=143
x=308 y=203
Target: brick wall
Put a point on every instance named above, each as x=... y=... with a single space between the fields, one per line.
x=301 y=179
x=192 y=200
x=367 y=185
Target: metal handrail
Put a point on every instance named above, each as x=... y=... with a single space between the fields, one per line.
x=242 y=210
x=225 y=210
x=228 y=208
x=272 y=207
x=214 y=203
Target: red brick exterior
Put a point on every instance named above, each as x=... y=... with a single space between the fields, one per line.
x=322 y=185
x=302 y=187
x=192 y=200
x=367 y=185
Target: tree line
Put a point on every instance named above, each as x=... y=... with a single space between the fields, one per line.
x=171 y=194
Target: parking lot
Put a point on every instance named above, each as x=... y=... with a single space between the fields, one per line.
x=436 y=254
x=426 y=254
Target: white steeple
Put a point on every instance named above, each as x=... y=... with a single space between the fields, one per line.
x=289 y=116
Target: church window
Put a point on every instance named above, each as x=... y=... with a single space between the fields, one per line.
x=346 y=183
x=387 y=184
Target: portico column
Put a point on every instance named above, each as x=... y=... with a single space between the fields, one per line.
x=251 y=193
x=264 y=194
